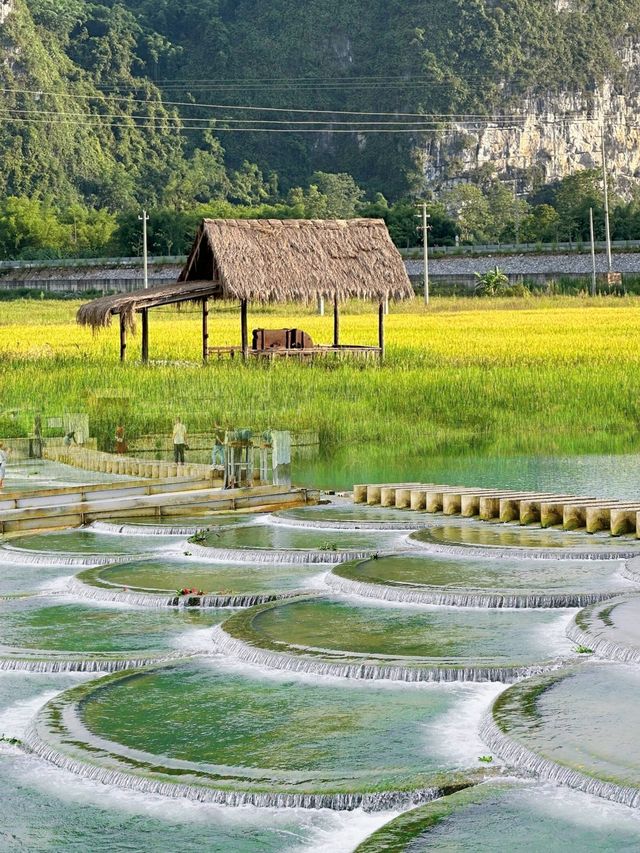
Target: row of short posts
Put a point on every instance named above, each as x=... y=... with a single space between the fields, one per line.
x=571 y=512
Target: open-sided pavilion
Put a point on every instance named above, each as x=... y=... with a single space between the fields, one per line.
x=266 y=261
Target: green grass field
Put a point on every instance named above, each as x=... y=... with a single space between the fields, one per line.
x=538 y=374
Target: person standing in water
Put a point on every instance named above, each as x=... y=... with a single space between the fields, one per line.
x=179 y=441
x=4 y=455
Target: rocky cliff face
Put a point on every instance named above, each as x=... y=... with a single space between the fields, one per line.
x=6 y=6
x=546 y=136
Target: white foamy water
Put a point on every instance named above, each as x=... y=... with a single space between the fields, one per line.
x=552 y=638
x=320 y=831
x=455 y=735
x=15 y=718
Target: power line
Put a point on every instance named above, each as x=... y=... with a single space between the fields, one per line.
x=254 y=108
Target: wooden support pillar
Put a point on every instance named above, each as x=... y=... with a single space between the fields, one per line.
x=381 y=330
x=336 y=322
x=145 y=335
x=205 y=330
x=243 y=329
x=123 y=338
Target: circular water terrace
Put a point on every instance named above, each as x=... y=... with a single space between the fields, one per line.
x=333 y=636
x=610 y=629
x=506 y=816
x=473 y=582
x=159 y=581
x=264 y=542
x=48 y=634
x=514 y=541
x=580 y=727
x=240 y=739
x=351 y=517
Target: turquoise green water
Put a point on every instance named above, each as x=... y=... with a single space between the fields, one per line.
x=452 y=635
x=275 y=731
x=483 y=535
x=617 y=623
x=15 y=578
x=90 y=542
x=506 y=817
x=45 y=809
x=602 y=476
x=586 y=721
x=279 y=537
x=47 y=624
x=169 y=575
x=351 y=513
x=502 y=575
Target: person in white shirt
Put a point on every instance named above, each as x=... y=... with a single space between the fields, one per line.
x=4 y=455
x=179 y=441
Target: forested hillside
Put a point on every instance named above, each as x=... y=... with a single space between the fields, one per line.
x=111 y=105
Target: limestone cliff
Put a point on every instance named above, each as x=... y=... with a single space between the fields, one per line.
x=545 y=136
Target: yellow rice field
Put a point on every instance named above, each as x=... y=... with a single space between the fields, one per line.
x=546 y=373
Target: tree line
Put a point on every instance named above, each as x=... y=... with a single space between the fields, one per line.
x=487 y=211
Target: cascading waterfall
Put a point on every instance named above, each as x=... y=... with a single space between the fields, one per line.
x=606 y=649
x=160 y=600
x=369 y=802
x=255 y=656
x=78 y=665
x=631 y=570
x=268 y=555
x=519 y=757
x=23 y=557
x=124 y=529
x=493 y=600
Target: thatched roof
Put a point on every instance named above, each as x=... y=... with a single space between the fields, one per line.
x=274 y=260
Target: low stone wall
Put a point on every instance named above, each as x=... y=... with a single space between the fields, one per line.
x=111 y=463
x=20 y=447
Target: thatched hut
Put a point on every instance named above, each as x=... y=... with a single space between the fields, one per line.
x=270 y=260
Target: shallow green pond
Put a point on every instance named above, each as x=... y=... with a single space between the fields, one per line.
x=168 y=575
x=617 y=623
x=484 y=535
x=350 y=513
x=586 y=721
x=271 y=730
x=506 y=817
x=282 y=538
x=47 y=624
x=454 y=635
x=473 y=574
x=92 y=542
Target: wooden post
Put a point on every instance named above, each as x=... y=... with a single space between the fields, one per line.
x=205 y=329
x=381 y=330
x=336 y=322
x=123 y=338
x=145 y=335
x=243 y=329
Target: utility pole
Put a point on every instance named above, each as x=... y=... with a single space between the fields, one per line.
x=605 y=183
x=144 y=219
x=593 y=254
x=425 y=240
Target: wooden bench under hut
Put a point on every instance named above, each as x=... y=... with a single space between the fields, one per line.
x=271 y=261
